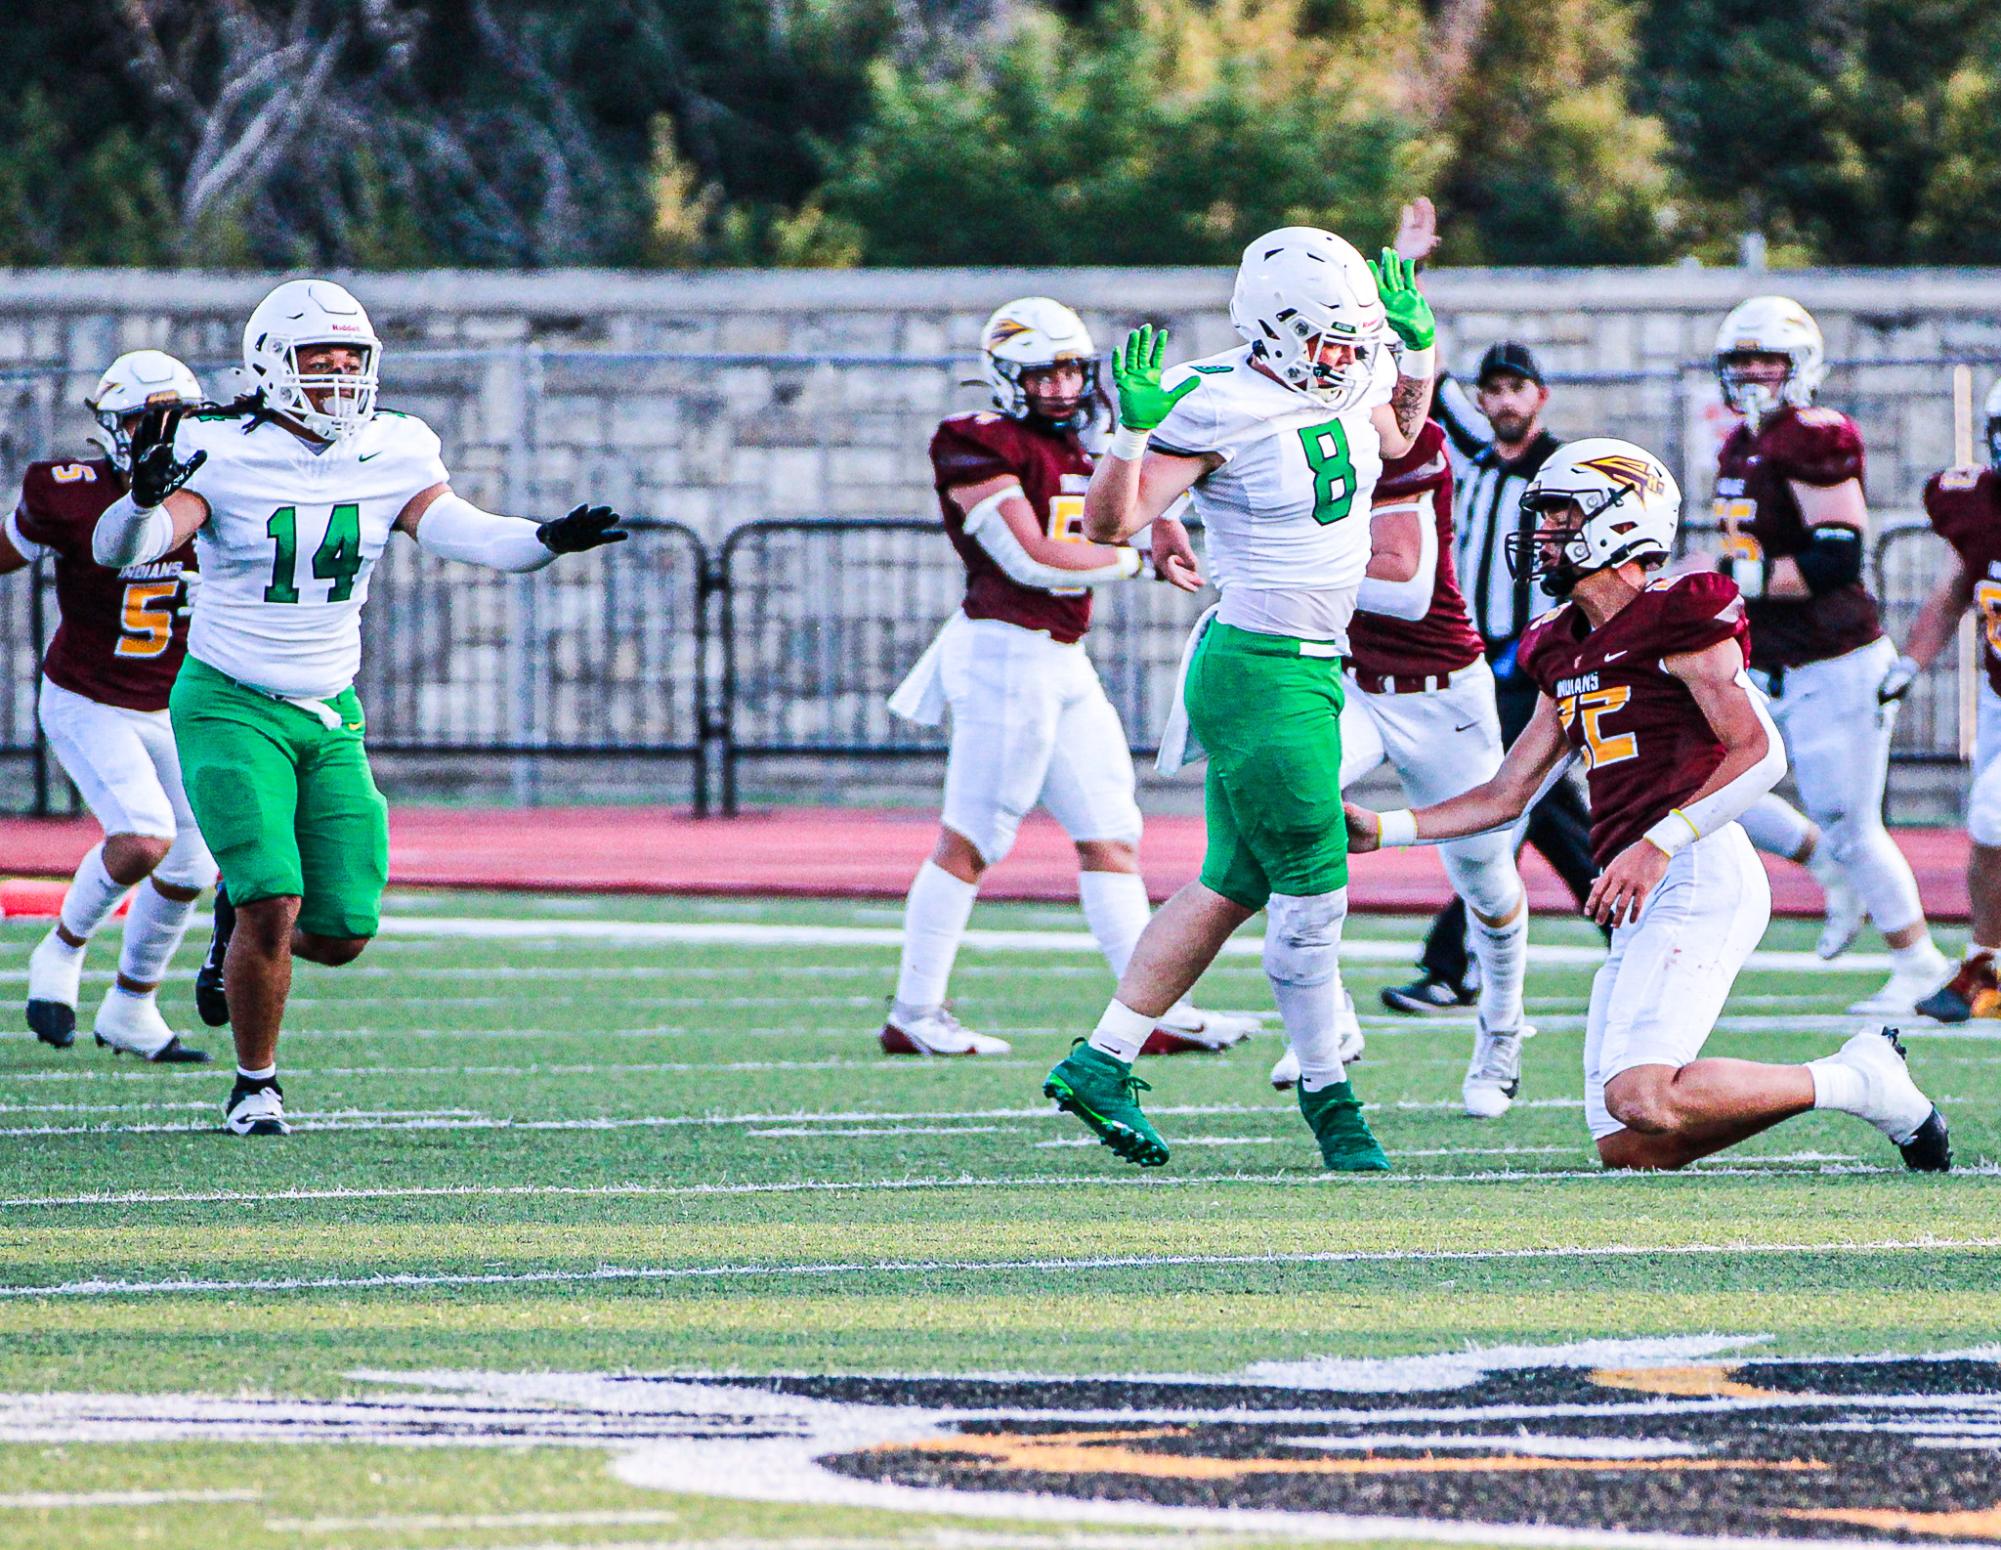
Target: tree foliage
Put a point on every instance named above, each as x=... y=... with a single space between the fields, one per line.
x=375 y=133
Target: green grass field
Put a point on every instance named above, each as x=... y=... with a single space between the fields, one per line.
x=567 y=1136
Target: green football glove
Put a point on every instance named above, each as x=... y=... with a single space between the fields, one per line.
x=1143 y=402
x=1403 y=303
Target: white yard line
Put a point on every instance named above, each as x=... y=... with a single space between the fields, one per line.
x=604 y=1273
x=44 y=1501
x=424 y=1522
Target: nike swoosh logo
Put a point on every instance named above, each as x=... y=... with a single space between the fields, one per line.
x=354 y=726
x=1469 y=726
x=367 y=455
x=1613 y=656
x=1436 y=465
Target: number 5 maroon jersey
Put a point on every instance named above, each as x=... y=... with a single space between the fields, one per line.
x=1054 y=470
x=1646 y=745
x=123 y=633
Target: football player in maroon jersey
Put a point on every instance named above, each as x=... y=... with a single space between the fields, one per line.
x=1789 y=500
x=103 y=707
x=1964 y=505
x=1645 y=682
x=1029 y=719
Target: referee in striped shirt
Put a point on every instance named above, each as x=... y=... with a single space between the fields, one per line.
x=1498 y=444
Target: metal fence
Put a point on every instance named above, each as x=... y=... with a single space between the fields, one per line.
x=714 y=641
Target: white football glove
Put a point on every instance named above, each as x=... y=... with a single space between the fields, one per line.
x=1897 y=681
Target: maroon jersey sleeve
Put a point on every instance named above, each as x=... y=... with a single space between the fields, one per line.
x=1053 y=469
x=1444 y=640
x=123 y=632
x=1697 y=611
x=1548 y=646
x=1422 y=469
x=1816 y=446
x=1964 y=506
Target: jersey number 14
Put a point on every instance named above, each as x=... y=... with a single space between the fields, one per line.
x=338 y=558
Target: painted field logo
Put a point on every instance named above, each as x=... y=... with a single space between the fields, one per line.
x=1669 y=1439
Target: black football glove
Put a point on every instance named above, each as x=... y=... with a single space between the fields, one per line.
x=155 y=473
x=585 y=527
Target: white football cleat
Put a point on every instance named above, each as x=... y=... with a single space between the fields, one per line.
x=937 y=1032
x=1893 y=1103
x=1494 y=1075
x=1285 y=1074
x=1905 y=988
x=1185 y=1029
x=132 y=1025
x=1844 y=909
x=255 y=1111
x=55 y=974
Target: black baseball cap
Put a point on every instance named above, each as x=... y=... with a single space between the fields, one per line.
x=1511 y=359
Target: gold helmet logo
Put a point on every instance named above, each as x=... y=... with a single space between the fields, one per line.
x=1003 y=330
x=1641 y=475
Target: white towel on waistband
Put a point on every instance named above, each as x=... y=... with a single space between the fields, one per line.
x=1179 y=746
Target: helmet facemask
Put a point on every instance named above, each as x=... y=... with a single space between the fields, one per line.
x=347 y=398
x=1296 y=362
x=114 y=436
x=1575 y=555
x=1754 y=399
x=1012 y=397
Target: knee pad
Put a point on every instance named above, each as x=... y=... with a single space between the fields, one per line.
x=187 y=863
x=1983 y=807
x=1303 y=937
x=1483 y=873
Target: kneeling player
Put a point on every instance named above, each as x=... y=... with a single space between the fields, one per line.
x=104 y=709
x=1030 y=720
x=1964 y=505
x=1646 y=682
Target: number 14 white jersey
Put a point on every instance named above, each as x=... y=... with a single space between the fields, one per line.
x=1289 y=508
x=292 y=537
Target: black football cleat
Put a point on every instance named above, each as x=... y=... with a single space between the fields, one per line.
x=54 y=1024
x=211 y=999
x=1929 y=1150
x=172 y=1053
x=1428 y=997
x=255 y=1109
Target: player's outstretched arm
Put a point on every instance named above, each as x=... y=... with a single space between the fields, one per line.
x=154 y=516
x=1937 y=622
x=448 y=524
x=1753 y=760
x=1133 y=485
x=1409 y=315
x=1525 y=773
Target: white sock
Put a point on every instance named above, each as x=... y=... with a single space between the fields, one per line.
x=1777 y=827
x=1116 y=909
x=263 y=1075
x=153 y=929
x=934 y=919
x=1503 y=953
x=92 y=896
x=1302 y=957
x=1837 y=1085
x=1120 y=1032
x=1878 y=872
x=1917 y=956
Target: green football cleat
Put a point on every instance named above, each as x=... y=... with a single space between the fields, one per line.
x=1347 y=1145
x=1104 y=1094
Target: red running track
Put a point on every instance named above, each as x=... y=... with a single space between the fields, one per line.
x=838 y=852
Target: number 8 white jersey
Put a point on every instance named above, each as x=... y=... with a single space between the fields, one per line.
x=1289 y=508
x=293 y=533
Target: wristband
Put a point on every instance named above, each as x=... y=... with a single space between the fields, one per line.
x=1129 y=443
x=1130 y=561
x=1751 y=576
x=1419 y=365
x=1673 y=833
x=1396 y=827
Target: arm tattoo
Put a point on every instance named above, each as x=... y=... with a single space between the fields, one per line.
x=1408 y=403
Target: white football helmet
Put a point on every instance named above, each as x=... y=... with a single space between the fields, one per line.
x=1770 y=325
x=304 y=312
x=1993 y=408
x=137 y=381
x=1631 y=506
x=1297 y=286
x=1031 y=333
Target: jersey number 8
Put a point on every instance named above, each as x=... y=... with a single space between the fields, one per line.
x=338 y=558
x=1333 y=469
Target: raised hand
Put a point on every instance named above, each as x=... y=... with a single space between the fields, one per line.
x=1143 y=402
x=155 y=472
x=1403 y=303
x=1417 y=230
x=583 y=527
x=1365 y=829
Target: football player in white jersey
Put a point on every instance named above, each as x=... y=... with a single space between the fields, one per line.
x=1279 y=442
x=291 y=502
